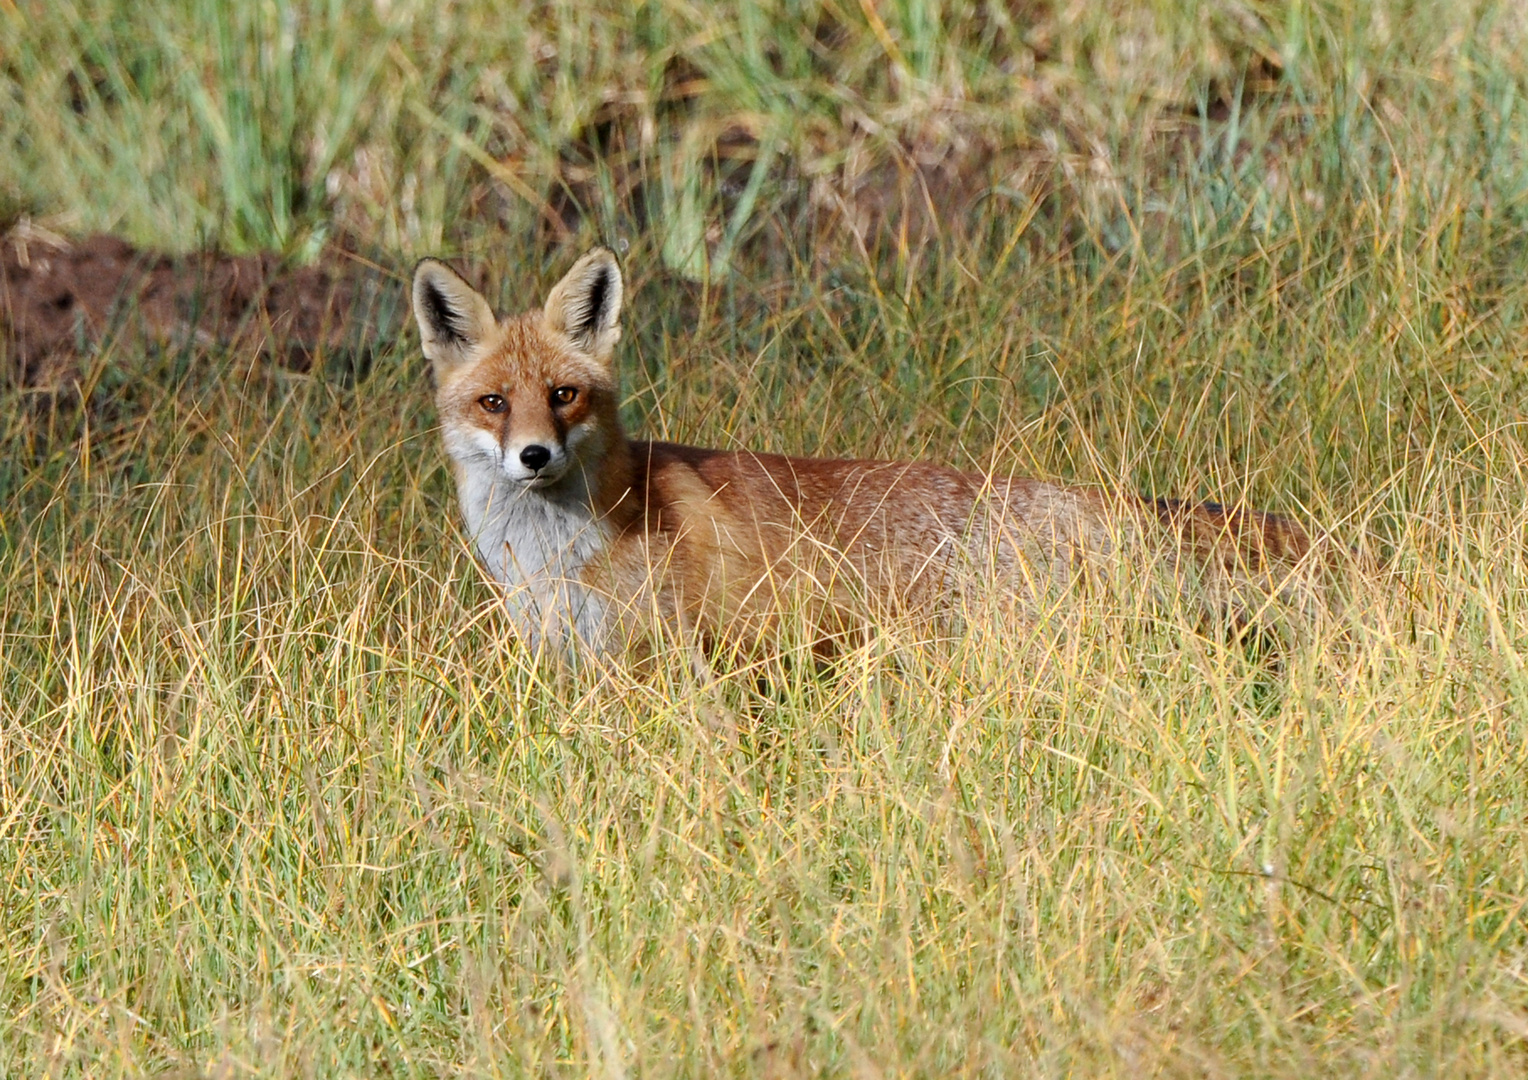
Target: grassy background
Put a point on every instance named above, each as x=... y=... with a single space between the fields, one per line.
x=278 y=796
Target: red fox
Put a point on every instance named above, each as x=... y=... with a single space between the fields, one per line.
x=594 y=534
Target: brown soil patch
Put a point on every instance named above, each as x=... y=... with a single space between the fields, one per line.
x=61 y=299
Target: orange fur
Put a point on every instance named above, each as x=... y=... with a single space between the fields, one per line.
x=720 y=544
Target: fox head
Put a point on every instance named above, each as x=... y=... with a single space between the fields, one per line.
x=533 y=399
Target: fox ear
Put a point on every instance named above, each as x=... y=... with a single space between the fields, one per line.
x=586 y=304
x=453 y=317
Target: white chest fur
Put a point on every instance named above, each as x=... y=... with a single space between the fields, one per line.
x=536 y=542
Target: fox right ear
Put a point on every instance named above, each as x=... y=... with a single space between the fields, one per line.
x=453 y=317
x=586 y=304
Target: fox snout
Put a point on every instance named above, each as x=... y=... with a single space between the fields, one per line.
x=525 y=451
x=541 y=460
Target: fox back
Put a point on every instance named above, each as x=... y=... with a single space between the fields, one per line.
x=594 y=536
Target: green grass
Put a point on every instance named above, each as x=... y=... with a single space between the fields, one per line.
x=280 y=796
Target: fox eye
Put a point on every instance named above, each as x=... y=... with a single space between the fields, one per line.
x=493 y=403
x=564 y=395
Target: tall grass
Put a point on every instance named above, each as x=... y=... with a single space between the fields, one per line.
x=279 y=794
x=409 y=125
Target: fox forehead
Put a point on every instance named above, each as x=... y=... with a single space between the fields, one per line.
x=520 y=354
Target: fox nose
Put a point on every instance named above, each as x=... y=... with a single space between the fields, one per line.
x=535 y=456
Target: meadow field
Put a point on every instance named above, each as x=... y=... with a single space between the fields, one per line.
x=281 y=796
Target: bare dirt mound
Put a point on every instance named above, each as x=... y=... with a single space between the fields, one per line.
x=60 y=300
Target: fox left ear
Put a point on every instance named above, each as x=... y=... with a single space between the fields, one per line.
x=586 y=304
x=453 y=317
